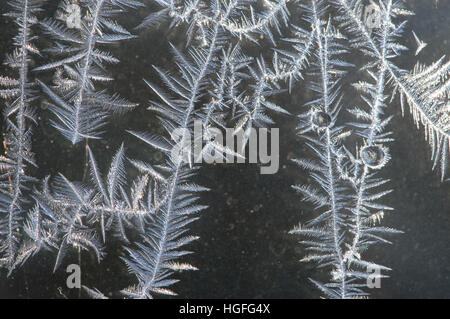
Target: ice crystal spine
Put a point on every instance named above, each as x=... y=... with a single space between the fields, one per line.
x=19 y=116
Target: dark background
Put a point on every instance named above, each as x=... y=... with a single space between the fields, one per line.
x=244 y=250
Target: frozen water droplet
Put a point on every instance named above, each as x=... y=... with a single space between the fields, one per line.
x=373 y=156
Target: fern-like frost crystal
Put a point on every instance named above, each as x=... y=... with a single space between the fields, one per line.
x=80 y=108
